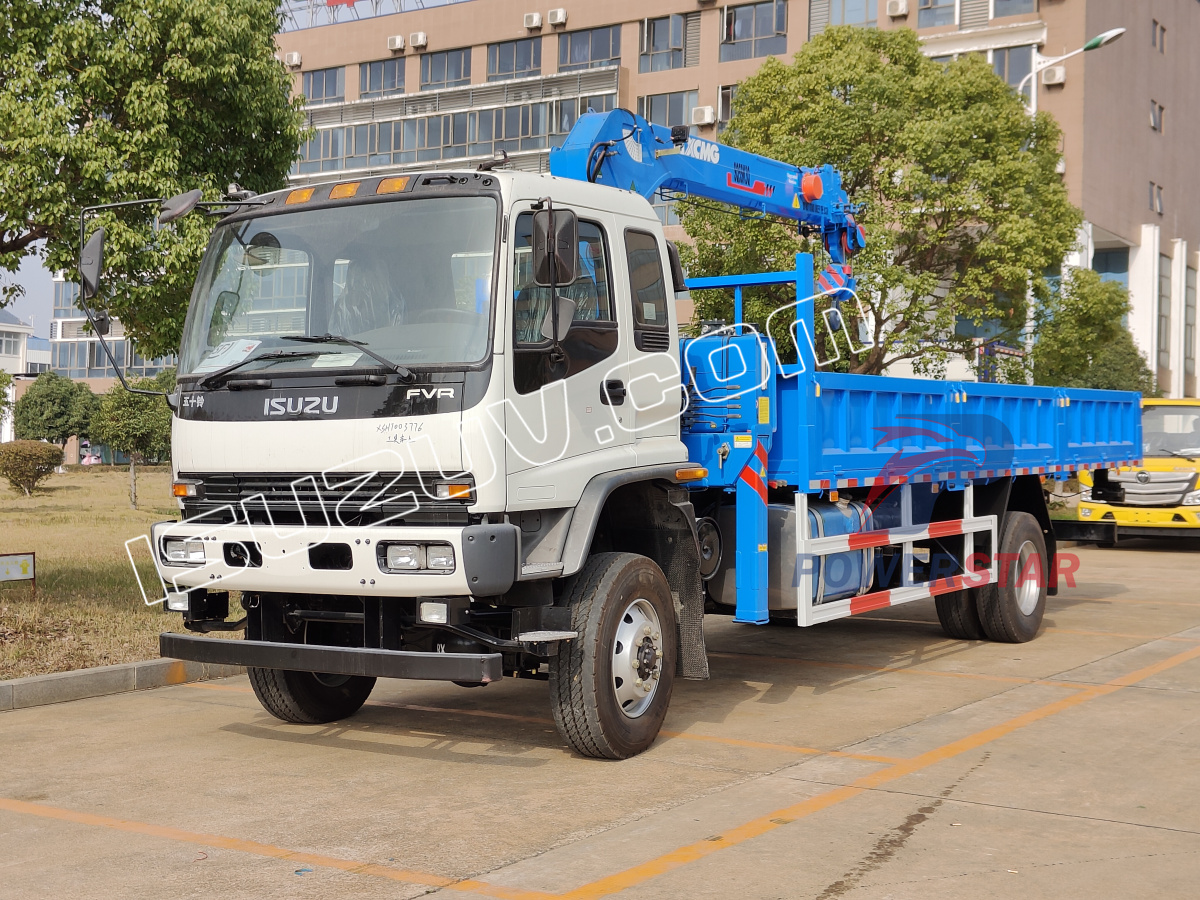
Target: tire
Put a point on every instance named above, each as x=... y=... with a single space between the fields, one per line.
x=1011 y=610
x=599 y=707
x=959 y=615
x=309 y=698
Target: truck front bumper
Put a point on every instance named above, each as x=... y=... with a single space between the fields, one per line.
x=261 y=558
x=472 y=668
x=1135 y=517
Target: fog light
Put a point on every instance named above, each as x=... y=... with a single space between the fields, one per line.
x=404 y=556
x=183 y=552
x=177 y=602
x=435 y=613
x=439 y=556
x=1085 y=513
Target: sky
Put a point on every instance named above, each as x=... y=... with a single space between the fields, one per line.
x=37 y=306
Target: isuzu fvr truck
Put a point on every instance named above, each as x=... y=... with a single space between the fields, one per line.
x=442 y=425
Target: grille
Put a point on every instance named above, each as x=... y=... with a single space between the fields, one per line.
x=652 y=341
x=315 y=499
x=1162 y=488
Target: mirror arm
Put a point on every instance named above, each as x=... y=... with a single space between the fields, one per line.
x=556 y=347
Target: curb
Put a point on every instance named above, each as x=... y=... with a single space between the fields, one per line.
x=61 y=687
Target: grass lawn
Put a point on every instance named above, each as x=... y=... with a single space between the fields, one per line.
x=88 y=610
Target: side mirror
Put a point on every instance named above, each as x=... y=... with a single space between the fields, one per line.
x=566 y=315
x=91 y=263
x=555 y=247
x=178 y=206
x=677 y=276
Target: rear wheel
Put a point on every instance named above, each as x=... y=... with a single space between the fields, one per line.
x=1011 y=609
x=610 y=686
x=309 y=698
x=959 y=615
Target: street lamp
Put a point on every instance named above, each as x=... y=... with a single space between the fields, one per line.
x=1042 y=62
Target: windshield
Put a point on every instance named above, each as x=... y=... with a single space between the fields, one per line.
x=1170 y=430
x=411 y=279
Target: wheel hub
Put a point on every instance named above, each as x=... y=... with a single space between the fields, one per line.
x=1028 y=589
x=637 y=658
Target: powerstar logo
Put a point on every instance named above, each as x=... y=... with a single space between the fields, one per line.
x=705 y=151
x=430 y=393
x=300 y=406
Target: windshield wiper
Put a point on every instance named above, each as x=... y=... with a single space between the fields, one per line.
x=400 y=370
x=1180 y=455
x=278 y=354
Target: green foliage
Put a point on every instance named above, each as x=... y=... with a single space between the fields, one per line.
x=5 y=383
x=128 y=99
x=1082 y=340
x=135 y=423
x=26 y=463
x=960 y=199
x=55 y=409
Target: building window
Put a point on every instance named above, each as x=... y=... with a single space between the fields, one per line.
x=379 y=79
x=448 y=68
x=65 y=295
x=1013 y=64
x=1156 y=116
x=1156 y=198
x=1158 y=35
x=325 y=86
x=1113 y=265
x=1189 y=323
x=725 y=101
x=759 y=29
x=515 y=59
x=671 y=42
x=589 y=49
x=1164 y=311
x=669 y=110
x=10 y=343
x=1013 y=7
x=569 y=111
x=932 y=13
x=852 y=12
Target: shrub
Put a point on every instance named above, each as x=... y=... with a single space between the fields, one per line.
x=25 y=463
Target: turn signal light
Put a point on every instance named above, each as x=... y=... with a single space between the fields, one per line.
x=454 y=492
x=300 y=195
x=344 y=190
x=692 y=473
x=393 y=185
x=184 y=489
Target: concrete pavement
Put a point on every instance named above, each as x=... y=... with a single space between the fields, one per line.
x=869 y=757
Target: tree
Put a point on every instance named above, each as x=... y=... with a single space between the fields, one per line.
x=24 y=464
x=55 y=409
x=959 y=196
x=5 y=403
x=137 y=424
x=1082 y=340
x=111 y=100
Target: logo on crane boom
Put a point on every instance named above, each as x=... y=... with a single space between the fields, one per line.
x=705 y=151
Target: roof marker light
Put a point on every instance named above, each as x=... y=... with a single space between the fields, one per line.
x=300 y=195
x=344 y=190
x=393 y=185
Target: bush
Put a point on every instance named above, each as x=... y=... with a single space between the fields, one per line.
x=25 y=463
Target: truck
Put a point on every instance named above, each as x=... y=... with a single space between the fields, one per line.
x=1159 y=498
x=442 y=425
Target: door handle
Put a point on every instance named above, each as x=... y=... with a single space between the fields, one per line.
x=612 y=392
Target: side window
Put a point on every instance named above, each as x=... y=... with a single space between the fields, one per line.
x=590 y=291
x=648 y=288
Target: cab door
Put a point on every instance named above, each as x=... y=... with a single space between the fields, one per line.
x=560 y=400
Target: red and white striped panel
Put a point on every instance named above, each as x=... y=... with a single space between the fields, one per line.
x=840 y=543
x=895 y=596
x=825 y=484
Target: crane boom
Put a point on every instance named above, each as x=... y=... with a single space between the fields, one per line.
x=625 y=151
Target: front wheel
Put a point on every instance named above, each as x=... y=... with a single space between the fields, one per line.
x=610 y=686
x=309 y=698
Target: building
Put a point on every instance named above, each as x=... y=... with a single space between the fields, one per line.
x=76 y=352
x=454 y=84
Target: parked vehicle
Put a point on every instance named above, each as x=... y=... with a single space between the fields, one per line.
x=442 y=425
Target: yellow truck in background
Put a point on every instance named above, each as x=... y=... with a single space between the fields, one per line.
x=1161 y=497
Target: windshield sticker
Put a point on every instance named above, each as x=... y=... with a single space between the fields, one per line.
x=336 y=360
x=226 y=354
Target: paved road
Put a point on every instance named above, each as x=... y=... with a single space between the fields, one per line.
x=866 y=758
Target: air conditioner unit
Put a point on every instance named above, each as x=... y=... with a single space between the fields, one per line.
x=1061 y=166
x=1054 y=75
x=897 y=8
x=556 y=17
x=396 y=42
x=292 y=59
x=418 y=39
x=533 y=21
x=703 y=115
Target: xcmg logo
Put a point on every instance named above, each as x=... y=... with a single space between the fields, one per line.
x=705 y=151
x=300 y=406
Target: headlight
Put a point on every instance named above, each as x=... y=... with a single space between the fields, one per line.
x=1085 y=495
x=1192 y=499
x=404 y=556
x=439 y=556
x=183 y=552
